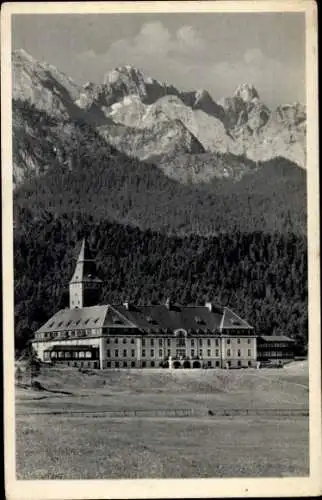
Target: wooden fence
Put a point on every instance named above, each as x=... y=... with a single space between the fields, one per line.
x=181 y=412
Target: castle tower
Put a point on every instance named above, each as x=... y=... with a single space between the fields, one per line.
x=85 y=286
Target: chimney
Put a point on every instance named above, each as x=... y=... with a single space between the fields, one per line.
x=168 y=303
x=209 y=306
x=126 y=305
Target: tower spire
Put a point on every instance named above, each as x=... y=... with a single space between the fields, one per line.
x=85 y=286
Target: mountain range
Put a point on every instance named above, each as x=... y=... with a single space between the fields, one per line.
x=177 y=193
x=181 y=132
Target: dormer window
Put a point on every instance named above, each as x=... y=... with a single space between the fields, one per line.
x=199 y=320
x=51 y=324
x=150 y=320
x=116 y=319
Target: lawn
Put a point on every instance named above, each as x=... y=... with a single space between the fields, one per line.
x=53 y=447
x=102 y=447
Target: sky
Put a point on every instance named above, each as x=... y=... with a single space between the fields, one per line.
x=214 y=51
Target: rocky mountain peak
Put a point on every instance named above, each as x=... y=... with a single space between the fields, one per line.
x=127 y=75
x=246 y=92
x=22 y=54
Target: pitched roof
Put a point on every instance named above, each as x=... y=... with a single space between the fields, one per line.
x=231 y=320
x=160 y=317
x=84 y=318
x=149 y=319
x=275 y=338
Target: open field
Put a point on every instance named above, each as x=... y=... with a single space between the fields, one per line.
x=97 y=445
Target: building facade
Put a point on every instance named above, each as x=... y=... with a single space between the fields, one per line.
x=132 y=336
x=275 y=348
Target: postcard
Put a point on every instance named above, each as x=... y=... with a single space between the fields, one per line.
x=161 y=290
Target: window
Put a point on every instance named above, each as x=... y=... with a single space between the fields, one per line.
x=124 y=353
x=143 y=353
x=152 y=342
x=239 y=363
x=160 y=342
x=169 y=352
x=200 y=342
x=249 y=352
x=180 y=353
x=81 y=354
x=248 y=341
x=152 y=353
x=217 y=342
x=209 y=364
x=217 y=353
x=209 y=352
x=116 y=341
x=132 y=353
x=239 y=353
x=125 y=364
x=169 y=342
x=124 y=341
x=117 y=364
x=143 y=364
x=107 y=341
x=217 y=364
x=208 y=342
x=152 y=364
x=238 y=341
x=143 y=342
x=115 y=319
x=192 y=343
x=200 y=352
x=108 y=364
x=132 y=341
x=228 y=341
x=116 y=353
x=228 y=352
x=132 y=364
x=160 y=353
x=192 y=352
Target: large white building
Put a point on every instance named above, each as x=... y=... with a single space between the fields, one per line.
x=133 y=336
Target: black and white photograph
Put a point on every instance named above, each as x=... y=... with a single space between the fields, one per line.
x=161 y=249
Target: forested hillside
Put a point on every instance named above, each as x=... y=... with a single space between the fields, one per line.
x=262 y=276
x=80 y=172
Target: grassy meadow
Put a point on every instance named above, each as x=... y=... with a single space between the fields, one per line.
x=89 y=444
